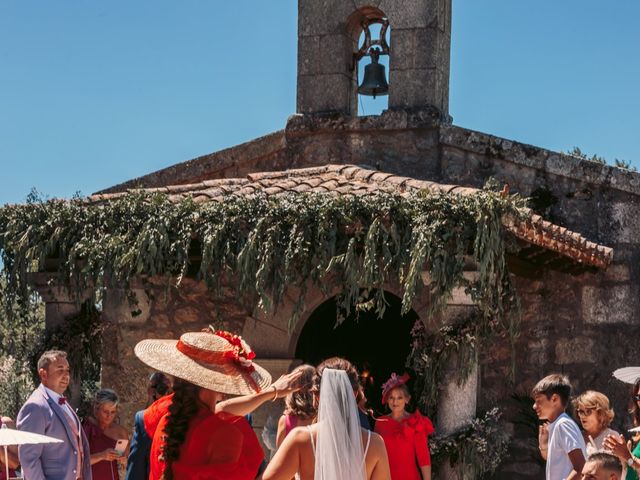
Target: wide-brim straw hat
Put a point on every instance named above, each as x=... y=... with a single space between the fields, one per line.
x=218 y=361
x=627 y=374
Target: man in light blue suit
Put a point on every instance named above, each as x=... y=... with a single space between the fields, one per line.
x=47 y=412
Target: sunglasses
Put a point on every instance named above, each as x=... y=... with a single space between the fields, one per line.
x=636 y=398
x=584 y=412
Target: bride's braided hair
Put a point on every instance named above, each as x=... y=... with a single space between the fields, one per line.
x=337 y=363
x=183 y=408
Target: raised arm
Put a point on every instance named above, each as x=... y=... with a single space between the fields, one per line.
x=246 y=404
x=577 y=460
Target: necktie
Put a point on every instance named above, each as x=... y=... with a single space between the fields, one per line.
x=62 y=401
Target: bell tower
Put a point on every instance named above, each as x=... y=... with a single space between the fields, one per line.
x=419 y=53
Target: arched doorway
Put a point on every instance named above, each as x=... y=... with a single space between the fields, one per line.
x=377 y=346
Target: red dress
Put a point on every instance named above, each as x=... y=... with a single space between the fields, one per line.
x=216 y=447
x=98 y=442
x=406 y=443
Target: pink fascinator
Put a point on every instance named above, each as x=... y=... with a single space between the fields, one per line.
x=393 y=382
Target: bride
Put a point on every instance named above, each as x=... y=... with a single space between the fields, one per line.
x=335 y=447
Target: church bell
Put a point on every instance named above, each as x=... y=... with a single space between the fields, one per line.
x=374 y=82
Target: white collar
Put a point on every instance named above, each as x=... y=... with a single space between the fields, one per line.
x=53 y=395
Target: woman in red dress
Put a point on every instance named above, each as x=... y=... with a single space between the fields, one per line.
x=200 y=437
x=405 y=434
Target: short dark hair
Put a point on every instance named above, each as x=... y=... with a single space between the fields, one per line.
x=554 y=383
x=50 y=356
x=607 y=462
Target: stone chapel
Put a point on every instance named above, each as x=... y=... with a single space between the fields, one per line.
x=580 y=298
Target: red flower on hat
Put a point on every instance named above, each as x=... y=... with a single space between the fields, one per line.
x=240 y=352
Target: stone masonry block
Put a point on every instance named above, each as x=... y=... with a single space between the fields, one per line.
x=626 y=223
x=402 y=48
x=611 y=304
x=308 y=55
x=324 y=93
x=416 y=13
x=575 y=350
x=412 y=88
x=323 y=17
x=335 y=54
x=417 y=48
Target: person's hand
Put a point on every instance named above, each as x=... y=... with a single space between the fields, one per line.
x=543 y=436
x=617 y=445
x=109 y=455
x=287 y=384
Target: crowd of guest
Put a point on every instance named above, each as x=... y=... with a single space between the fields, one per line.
x=596 y=451
x=196 y=423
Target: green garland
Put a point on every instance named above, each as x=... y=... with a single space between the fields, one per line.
x=265 y=244
x=432 y=352
x=475 y=449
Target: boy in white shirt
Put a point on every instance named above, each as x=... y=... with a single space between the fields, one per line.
x=561 y=442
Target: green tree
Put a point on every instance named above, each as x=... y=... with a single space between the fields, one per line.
x=20 y=335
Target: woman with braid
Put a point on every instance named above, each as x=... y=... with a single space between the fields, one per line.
x=201 y=436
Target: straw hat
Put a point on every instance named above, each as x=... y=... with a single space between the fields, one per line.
x=218 y=361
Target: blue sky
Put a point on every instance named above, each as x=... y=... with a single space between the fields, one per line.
x=94 y=93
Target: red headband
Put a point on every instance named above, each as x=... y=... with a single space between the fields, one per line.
x=394 y=382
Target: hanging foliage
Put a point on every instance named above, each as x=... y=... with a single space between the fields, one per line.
x=265 y=244
x=474 y=450
x=432 y=352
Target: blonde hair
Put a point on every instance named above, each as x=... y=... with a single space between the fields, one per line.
x=599 y=401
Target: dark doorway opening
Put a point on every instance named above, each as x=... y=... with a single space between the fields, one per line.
x=376 y=346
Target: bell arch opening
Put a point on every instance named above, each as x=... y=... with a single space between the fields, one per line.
x=376 y=346
x=371 y=33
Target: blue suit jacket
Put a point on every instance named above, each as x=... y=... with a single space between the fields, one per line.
x=52 y=461
x=138 y=461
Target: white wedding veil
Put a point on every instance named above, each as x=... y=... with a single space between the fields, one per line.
x=339 y=452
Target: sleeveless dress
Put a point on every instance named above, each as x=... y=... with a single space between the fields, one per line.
x=406 y=443
x=313 y=447
x=3 y=472
x=99 y=442
x=194 y=462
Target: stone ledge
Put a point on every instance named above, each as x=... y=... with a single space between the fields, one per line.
x=541 y=159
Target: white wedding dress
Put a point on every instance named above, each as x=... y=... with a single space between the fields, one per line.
x=338 y=450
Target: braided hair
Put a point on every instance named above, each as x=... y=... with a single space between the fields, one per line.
x=183 y=409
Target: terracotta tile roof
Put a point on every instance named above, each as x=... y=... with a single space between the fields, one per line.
x=362 y=180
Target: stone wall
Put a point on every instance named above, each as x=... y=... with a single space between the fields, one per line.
x=583 y=325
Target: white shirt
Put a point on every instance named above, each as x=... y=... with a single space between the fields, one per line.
x=597 y=445
x=66 y=408
x=564 y=437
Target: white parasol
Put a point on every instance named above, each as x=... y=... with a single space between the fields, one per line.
x=9 y=436
x=627 y=374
